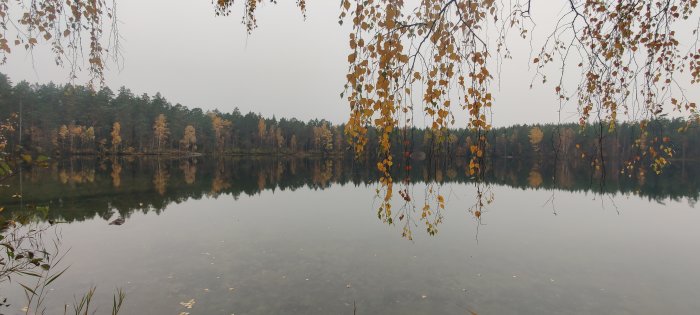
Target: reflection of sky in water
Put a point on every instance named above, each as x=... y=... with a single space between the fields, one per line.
x=320 y=251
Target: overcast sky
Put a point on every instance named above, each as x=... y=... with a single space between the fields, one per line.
x=288 y=67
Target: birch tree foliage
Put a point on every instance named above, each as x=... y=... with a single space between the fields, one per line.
x=432 y=56
x=76 y=30
x=189 y=138
x=160 y=131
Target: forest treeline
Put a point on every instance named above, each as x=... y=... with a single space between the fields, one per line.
x=72 y=119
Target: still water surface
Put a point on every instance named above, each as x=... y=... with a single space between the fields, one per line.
x=253 y=237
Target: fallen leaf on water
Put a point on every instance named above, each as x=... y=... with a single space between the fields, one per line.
x=188 y=304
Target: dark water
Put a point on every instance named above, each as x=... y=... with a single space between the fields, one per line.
x=267 y=236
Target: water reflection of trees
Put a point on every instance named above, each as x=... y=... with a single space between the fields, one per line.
x=78 y=189
x=161 y=177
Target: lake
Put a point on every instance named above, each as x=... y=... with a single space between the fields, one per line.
x=303 y=236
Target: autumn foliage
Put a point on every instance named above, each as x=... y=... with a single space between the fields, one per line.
x=436 y=56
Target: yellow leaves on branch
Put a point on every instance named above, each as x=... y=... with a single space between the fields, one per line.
x=435 y=49
x=223 y=7
x=436 y=55
x=629 y=56
x=77 y=21
x=632 y=59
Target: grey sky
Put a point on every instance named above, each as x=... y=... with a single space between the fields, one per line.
x=288 y=67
